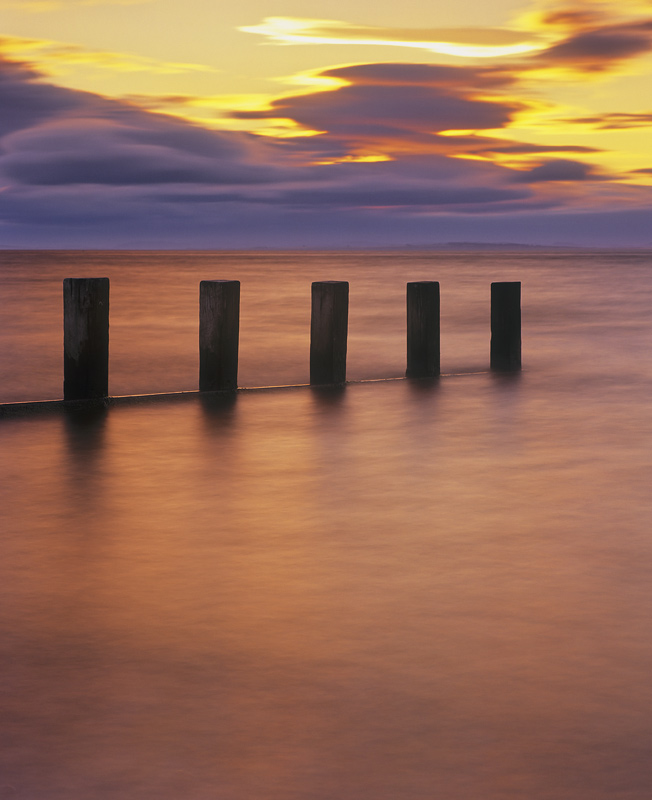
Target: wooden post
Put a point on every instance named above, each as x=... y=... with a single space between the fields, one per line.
x=328 y=332
x=85 y=338
x=506 y=326
x=423 y=340
x=219 y=328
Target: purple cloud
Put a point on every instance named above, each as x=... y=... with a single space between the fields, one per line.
x=386 y=101
x=77 y=151
x=124 y=217
x=519 y=147
x=78 y=169
x=597 y=49
x=615 y=120
x=396 y=74
x=558 y=170
x=56 y=136
x=371 y=196
x=25 y=103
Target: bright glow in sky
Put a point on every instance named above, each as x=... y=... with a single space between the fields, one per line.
x=208 y=123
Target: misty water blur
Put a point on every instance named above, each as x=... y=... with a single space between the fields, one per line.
x=578 y=309
x=396 y=591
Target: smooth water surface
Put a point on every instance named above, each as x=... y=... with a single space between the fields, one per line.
x=395 y=591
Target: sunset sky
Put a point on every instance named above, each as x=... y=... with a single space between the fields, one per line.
x=301 y=123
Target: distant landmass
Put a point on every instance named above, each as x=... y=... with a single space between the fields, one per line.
x=494 y=246
x=368 y=245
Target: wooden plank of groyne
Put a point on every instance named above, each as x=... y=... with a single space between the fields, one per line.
x=328 y=332
x=219 y=330
x=85 y=338
x=423 y=329
x=506 y=326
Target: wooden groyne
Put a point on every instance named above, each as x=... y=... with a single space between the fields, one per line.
x=506 y=326
x=86 y=334
x=85 y=338
x=219 y=335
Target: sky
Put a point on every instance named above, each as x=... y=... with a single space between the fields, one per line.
x=190 y=124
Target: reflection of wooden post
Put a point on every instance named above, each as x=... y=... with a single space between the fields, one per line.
x=219 y=328
x=423 y=329
x=85 y=338
x=328 y=332
x=506 y=326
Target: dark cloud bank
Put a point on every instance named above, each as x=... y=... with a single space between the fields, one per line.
x=80 y=170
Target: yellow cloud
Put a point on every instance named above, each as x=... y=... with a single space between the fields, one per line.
x=54 y=57
x=463 y=42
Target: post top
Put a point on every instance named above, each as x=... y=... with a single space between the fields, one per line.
x=69 y=280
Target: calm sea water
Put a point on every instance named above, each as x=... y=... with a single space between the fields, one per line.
x=398 y=591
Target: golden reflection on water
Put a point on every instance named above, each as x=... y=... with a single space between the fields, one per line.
x=398 y=590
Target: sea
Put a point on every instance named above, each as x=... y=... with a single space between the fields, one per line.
x=395 y=590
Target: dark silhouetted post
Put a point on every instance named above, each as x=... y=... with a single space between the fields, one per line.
x=506 y=326
x=328 y=332
x=85 y=338
x=219 y=329
x=423 y=329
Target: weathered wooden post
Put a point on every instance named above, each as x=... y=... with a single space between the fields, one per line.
x=506 y=326
x=219 y=328
x=85 y=338
x=423 y=338
x=328 y=332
